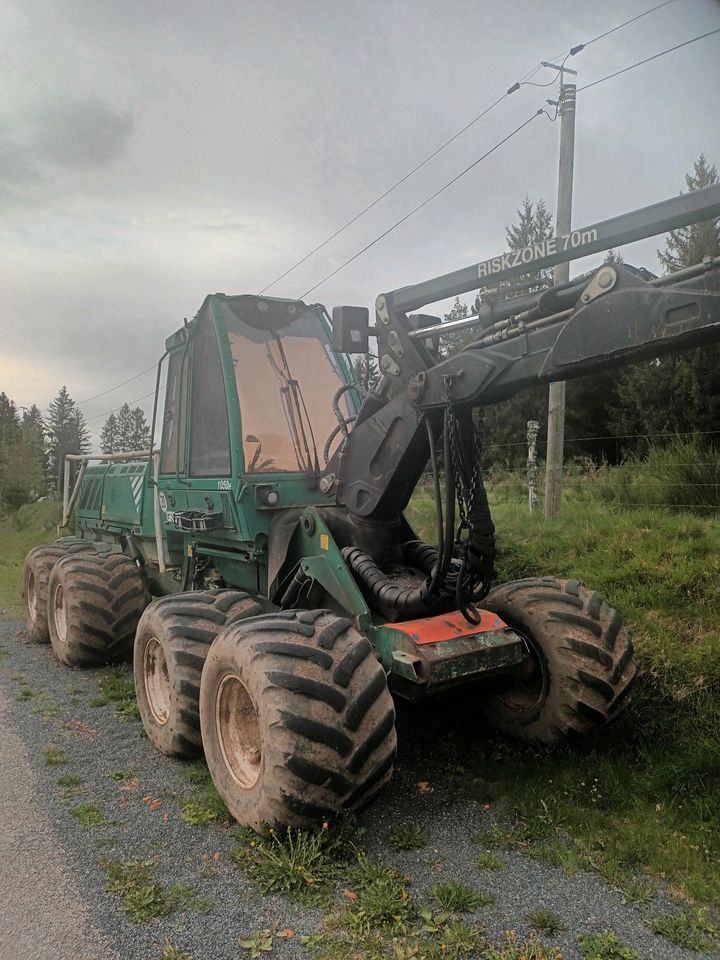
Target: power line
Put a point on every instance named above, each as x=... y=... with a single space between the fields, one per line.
x=423 y=204
x=601 y=36
x=115 y=409
x=387 y=192
x=587 y=86
x=142 y=373
x=655 y=56
x=566 y=53
x=525 y=79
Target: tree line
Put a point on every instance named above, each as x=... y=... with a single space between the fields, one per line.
x=613 y=414
x=33 y=447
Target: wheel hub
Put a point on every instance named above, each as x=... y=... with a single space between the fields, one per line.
x=157 y=681
x=238 y=731
x=530 y=681
x=60 y=612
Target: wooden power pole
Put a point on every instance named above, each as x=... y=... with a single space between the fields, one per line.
x=561 y=274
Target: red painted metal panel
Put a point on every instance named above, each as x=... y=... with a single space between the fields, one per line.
x=448 y=626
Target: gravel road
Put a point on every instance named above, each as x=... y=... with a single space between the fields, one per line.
x=53 y=889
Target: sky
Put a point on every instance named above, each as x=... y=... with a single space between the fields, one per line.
x=153 y=152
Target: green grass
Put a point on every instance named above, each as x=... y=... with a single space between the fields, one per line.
x=171 y=952
x=121 y=774
x=204 y=807
x=546 y=921
x=117 y=687
x=69 y=780
x=383 y=900
x=604 y=946
x=456 y=897
x=89 y=815
x=640 y=801
x=143 y=897
x=25 y=694
x=303 y=864
x=196 y=773
x=687 y=928
x=55 y=757
x=32 y=525
x=515 y=949
x=407 y=836
x=487 y=860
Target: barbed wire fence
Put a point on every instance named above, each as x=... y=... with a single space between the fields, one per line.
x=681 y=472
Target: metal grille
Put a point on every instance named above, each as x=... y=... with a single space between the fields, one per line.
x=226 y=512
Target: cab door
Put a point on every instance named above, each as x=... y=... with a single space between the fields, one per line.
x=172 y=476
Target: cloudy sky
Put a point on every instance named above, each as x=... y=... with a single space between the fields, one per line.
x=152 y=152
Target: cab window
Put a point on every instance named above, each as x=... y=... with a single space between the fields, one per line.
x=209 y=429
x=172 y=457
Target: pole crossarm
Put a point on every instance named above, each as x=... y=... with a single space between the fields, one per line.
x=680 y=211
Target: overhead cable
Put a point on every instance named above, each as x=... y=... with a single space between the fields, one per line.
x=425 y=202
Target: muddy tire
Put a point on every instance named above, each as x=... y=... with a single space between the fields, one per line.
x=297 y=720
x=36 y=576
x=94 y=604
x=171 y=644
x=582 y=667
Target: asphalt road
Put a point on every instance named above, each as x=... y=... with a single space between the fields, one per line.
x=54 y=903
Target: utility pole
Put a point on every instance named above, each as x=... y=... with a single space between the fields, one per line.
x=561 y=274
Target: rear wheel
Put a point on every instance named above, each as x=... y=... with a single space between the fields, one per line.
x=297 y=719
x=36 y=576
x=171 y=644
x=93 y=607
x=580 y=669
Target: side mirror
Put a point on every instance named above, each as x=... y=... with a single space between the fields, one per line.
x=351 y=329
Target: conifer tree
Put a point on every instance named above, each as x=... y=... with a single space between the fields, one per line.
x=66 y=432
x=676 y=394
x=109 y=436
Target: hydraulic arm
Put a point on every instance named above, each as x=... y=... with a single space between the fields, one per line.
x=614 y=316
x=610 y=317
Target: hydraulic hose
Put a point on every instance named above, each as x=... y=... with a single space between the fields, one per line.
x=403 y=600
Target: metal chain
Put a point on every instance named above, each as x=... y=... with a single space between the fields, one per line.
x=464 y=502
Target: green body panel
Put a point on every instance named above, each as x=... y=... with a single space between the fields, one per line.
x=117 y=497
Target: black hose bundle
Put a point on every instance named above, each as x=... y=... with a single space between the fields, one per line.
x=388 y=596
x=462 y=581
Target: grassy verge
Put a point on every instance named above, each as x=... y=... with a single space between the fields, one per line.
x=641 y=802
x=32 y=524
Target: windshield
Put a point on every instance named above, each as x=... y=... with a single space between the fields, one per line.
x=285 y=383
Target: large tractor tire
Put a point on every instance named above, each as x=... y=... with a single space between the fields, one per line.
x=37 y=568
x=297 y=720
x=171 y=644
x=581 y=668
x=94 y=604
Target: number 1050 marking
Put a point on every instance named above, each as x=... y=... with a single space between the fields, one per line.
x=224 y=485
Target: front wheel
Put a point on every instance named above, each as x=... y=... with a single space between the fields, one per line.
x=297 y=720
x=580 y=668
x=171 y=643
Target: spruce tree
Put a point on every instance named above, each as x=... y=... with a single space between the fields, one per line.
x=66 y=433
x=140 y=431
x=109 y=435
x=9 y=421
x=677 y=394
x=22 y=472
x=124 y=428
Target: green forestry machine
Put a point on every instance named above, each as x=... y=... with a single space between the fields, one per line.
x=258 y=566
